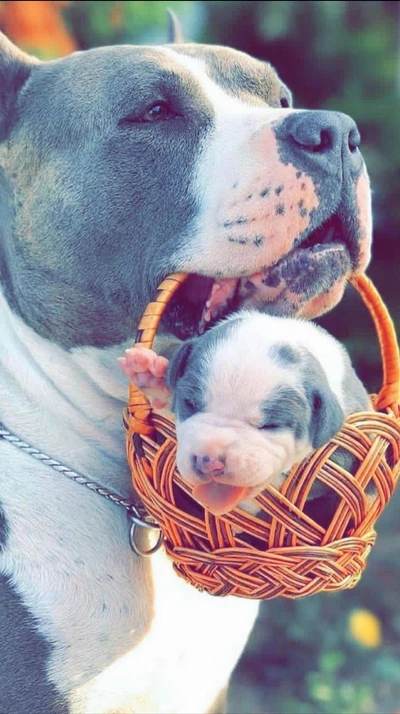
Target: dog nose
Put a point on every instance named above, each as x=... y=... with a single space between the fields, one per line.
x=322 y=138
x=208 y=465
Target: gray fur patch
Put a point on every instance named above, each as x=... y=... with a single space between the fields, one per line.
x=81 y=250
x=187 y=373
x=285 y=354
x=316 y=408
x=3 y=530
x=24 y=688
x=326 y=414
x=285 y=408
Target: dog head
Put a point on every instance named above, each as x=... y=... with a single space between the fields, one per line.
x=120 y=165
x=252 y=397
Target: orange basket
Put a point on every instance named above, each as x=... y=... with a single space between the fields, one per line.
x=285 y=553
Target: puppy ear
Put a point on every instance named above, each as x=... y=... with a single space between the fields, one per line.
x=175 y=33
x=178 y=364
x=15 y=68
x=327 y=415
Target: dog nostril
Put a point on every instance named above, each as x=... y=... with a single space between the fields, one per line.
x=326 y=141
x=354 y=140
x=208 y=465
x=319 y=143
x=199 y=465
x=322 y=135
x=214 y=466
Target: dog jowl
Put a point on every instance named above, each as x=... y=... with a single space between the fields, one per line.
x=120 y=165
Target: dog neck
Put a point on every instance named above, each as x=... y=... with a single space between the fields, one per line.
x=67 y=403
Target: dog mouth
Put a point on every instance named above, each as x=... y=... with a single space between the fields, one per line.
x=329 y=234
x=314 y=264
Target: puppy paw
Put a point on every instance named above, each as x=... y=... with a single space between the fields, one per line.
x=147 y=370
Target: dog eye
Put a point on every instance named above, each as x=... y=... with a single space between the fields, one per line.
x=270 y=427
x=157 y=112
x=160 y=111
x=190 y=406
x=284 y=103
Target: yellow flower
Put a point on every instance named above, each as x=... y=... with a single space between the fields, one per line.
x=365 y=628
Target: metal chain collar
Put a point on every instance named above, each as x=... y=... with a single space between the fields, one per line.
x=138 y=518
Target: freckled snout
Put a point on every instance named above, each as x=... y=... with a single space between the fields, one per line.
x=209 y=466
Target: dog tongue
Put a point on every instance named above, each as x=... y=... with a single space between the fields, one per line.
x=219 y=498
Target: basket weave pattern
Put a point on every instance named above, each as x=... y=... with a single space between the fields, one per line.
x=283 y=552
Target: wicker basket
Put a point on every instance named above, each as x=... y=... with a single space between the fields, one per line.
x=285 y=552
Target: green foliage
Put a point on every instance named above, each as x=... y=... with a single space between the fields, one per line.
x=110 y=22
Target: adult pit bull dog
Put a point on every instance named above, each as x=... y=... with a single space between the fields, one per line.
x=118 y=166
x=252 y=397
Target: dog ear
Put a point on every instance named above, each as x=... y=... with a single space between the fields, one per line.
x=327 y=415
x=15 y=68
x=175 y=33
x=178 y=364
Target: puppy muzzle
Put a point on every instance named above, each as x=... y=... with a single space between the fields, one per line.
x=227 y=460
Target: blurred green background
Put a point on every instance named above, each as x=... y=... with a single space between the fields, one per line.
x=329 y=654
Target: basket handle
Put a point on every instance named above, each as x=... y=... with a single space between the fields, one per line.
x=139 y=407
x=389 y=394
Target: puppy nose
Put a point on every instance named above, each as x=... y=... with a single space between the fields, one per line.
x=324 y=139
x=208 y=465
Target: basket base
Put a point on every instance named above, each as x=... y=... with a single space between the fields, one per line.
x=280 y=572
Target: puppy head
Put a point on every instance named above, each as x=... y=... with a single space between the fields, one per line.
x=251 y=399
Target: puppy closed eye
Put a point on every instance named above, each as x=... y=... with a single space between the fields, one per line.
x=190 y=405
x=270 y=427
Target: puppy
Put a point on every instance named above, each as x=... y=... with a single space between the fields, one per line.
x=251 y=397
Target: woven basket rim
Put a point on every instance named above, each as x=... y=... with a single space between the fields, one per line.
x=388 y=396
